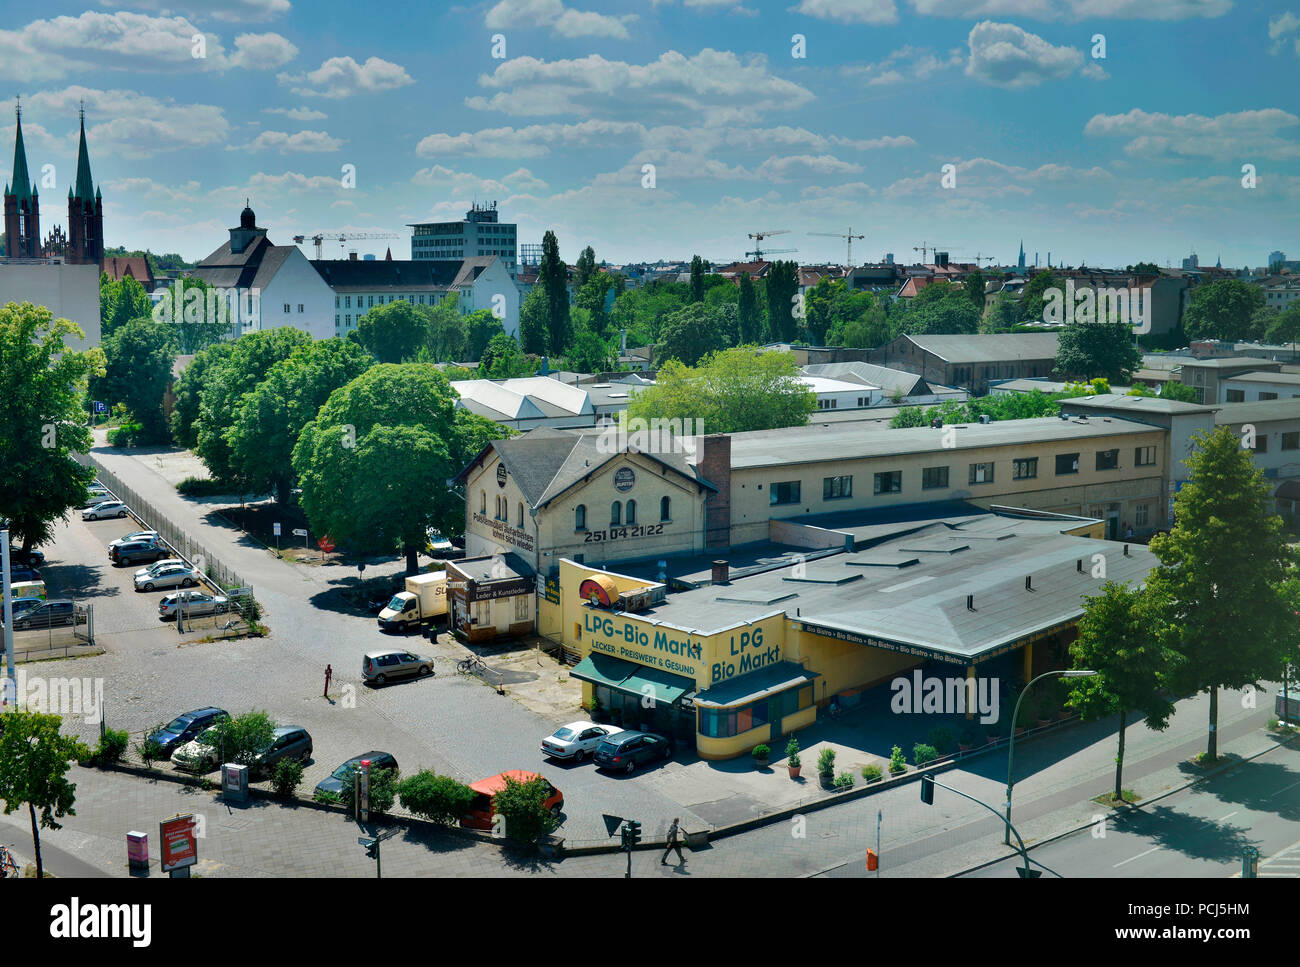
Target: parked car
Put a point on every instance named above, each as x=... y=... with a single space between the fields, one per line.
x=135 y=536
x=381 y=666
x=437 y=543
x=627 y=750
x=168 y=576
x=20 y=607
x=47 y=614
x=332 y=787
x=33 y=558
x=95 y=495
x=157 y=565
x=577 y=740
x=21 y=572
x=132 y=552
x=183 y=728
x=287 y=742
x=481 y=810
x=200 y=754
x=196 y=603
x=104 y=509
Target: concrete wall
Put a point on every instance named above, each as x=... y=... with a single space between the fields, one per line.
x=68 y=291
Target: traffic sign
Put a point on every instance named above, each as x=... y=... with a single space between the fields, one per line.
x=299 y=532
x=325 y=544
x=275 y=529
x=101 y=407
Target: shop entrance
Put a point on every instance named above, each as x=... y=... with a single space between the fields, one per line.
x=633 y=710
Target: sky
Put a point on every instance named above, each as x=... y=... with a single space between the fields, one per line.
x=1105 y=132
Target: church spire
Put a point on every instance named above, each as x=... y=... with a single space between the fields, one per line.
x=85 y=186
x=22 y=185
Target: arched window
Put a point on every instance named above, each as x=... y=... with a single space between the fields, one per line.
x=580 y=517
x=482 y=502
x=615 y=514
x=665 y=509
x=631 y=512
x=521 y=514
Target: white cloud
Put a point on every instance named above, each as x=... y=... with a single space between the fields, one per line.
x=297 y=113
x=300 y=142
x=465 y=183
x=1094 y=71
x=1075 y=10
x=343 y=77
x=562 y=20
x=262 y=52
x=1006 y=56
x=1279 y=28
x=805 y=166
x=985 y=177
x=850 y=11
x=906 y=63
x=138 y=126
x=1243 y=135
x=237 y=11
x=533 y=141
x=714 y=83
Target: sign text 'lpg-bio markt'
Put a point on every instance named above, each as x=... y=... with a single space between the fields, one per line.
x=662 y=648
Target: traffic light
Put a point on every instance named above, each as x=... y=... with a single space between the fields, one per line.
x=633 y=832
x=623 y=831
x=927 y=790
x=372 y=848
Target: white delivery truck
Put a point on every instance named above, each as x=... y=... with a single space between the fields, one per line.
x=425 y=599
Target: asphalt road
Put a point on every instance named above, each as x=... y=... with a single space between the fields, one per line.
x=1198 y=832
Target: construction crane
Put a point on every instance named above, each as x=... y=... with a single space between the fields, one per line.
x=343 y=237
x=926 y=247
x=977 y=258
x=759 y=256
x=848 y=238
x=758 y=239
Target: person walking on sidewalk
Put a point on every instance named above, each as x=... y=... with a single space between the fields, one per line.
x=674 y=843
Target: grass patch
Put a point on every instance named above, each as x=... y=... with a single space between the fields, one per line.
x=203 y=487
x=1108 y=798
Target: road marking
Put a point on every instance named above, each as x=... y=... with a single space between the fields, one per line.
x=1132 y=858
x=1282 y=790
x=1229 y=816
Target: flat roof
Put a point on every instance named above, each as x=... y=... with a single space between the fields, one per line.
x=817 y=443
x=1232 y=362
x=1261 y=411
x=1292 y=379
x=1136 y=404
x=908 y=593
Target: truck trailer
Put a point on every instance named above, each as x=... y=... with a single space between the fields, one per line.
x=425 y=599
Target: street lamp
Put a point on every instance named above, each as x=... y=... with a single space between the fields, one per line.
x=1015 y=715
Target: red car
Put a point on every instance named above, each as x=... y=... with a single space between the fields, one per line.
x=481 y=811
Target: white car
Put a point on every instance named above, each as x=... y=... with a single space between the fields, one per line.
x=439 y=544
x=167 y=574
x=195 y=603
x=577 y=740
x=197 y=755
x=136 y=536
x=103 y=509
x=153 y=568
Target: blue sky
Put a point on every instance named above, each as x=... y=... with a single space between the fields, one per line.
x=1105 y=161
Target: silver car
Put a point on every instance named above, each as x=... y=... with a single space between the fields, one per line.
x=134 y=536
x=103 y=509
x=167 y=575
x=195 y=603
x=383 y=666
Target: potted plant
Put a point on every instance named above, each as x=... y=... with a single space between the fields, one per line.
x=761 y=754
x=872 y=773
x=897 y=764
x=844 y=781
x=792 y=760
x=923 y=754
x=826 y=768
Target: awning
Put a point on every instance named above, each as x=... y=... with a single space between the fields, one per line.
x=604 y=670
x=755 y=686
x=665 y=687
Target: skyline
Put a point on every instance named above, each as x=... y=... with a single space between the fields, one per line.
x=1134 y=157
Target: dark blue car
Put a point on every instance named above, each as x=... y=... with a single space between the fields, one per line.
x=185 y=727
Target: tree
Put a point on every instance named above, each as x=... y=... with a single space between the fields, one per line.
x=522 y=805
x=269 y=418
x=42 y=420
x=584 y=268
x=1216 y=595
x=1180 y=392
x=1089 y=349
x=1003 y=314
x=446 y=333
x=1285 y=326
x=247 y=364
x=138 y=369
x=731 y=391
x=503 y=360
x=34 y=761
x=552 y=277
x=751 y=322
x=120 y=302
x=199 y=319
x=592 y=297
x=782 y=286
x=691 y=333
x=186 y=390
x=871 y=329
x=1117 y=641
x=534 y=328
x=372 y=462
x=1143 y=268
x=973 y=285
x=817 y=308
x=481 y=327
x=439 y=799
x=941 y=308
x=1222 y=310
x=697 y=279
x=1032 y=299
x=241 y=738
x=591 y=354
x=393 y=333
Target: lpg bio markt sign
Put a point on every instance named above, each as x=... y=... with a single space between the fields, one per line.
x=663 y=648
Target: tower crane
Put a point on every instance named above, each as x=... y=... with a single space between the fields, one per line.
x=344 y=237
x=758 y=241
x=759 y=256
x=848 y=239
x=925 y=247
x=977 y=258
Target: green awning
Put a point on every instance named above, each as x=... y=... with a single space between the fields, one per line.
x=664 y=686
x=756 y=686
x=604 y=670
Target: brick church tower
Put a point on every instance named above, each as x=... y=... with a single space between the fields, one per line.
x=85 y=212
x=22 y=206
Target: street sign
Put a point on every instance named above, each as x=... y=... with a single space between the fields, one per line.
x=299 y=532
x=325 y=544
x=275 y=529
x=365 y=841
x=612 y=823
x=101 y=407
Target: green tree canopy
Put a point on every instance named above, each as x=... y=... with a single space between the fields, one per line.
x=1222 y=310
x=393 y=333
x=34 y=760
x=553 y=279
x=120 y=302
x=940 y=308
x=782 y=285
x=585 y=267
x=534 y=327
x=690 y=333
x=751 y=318
x=186 y=390
x=1106 y=349
x=1033 y=300
x=138 y=369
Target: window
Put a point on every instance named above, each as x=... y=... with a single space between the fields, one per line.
x=1267 y=396
x=615 y=514
x=336 y=302
x=981 y=473
x=1108 y=459
x=864 y=401
x=347 y=302
x=1067 y=463
x=1261 y=443
x=1291 y=441
x=1140 y=515
x=890 y=482
x=482 y=502
x=827 y=404
x=1144 y=456
x=631 y=512
x=784 y=492
x=521 y=607
x=833 y=488
x=521 y=514
x=1235 y=396
x=665 y=509
x=934 y=478
x=371 y=301
x=286 y=307
x=300 y=307
x=728 y=722
x=1024 y=469
x=580 y=517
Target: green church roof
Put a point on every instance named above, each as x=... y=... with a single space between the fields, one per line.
x=85 y=186
x=22 y=185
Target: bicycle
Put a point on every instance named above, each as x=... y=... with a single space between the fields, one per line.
x=471 y=665
x=7 y=865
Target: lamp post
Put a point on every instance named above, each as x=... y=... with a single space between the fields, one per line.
x=1015 y=715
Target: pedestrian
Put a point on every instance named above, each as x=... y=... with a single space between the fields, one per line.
x=674 y=843
x=1128 y=531
x=329 y=673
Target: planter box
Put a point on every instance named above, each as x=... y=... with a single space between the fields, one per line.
x=827 y=781
x=1020 y=730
